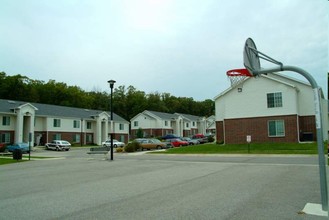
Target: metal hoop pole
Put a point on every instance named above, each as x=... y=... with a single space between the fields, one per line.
x=318 y=120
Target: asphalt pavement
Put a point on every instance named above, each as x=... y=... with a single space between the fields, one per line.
x=77 y=185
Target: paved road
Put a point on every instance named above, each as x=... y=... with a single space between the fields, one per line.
x=134 y=186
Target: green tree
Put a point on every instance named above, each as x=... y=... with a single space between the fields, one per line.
x=139 y=133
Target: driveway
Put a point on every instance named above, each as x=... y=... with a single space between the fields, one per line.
x=133 y=186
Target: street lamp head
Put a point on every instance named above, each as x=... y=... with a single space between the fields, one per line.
x=111 y=82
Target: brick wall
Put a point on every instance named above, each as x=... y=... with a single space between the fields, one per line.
x=236 y=130
x=307 y=128
x=219 y=132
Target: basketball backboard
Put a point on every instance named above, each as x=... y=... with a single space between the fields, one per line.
x=251 y=57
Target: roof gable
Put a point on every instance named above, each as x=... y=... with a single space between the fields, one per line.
x=276 y=77
x=160 y=115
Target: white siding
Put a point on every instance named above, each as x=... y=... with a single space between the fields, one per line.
x=12 y=124
x=252 y=100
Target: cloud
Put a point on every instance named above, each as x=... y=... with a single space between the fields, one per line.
x=180 y=47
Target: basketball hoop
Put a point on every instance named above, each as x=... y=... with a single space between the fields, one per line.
x=237 y=76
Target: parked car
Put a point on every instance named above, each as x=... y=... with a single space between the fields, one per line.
x=201 y=138
x=58 y=145
x=152 y=144
x=116 y=143
x=24 y=147
x=178 y=142
x=190 y=140
x=170 y=136
x=2 y=147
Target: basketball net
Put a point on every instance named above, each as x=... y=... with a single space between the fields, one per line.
x=237 y=76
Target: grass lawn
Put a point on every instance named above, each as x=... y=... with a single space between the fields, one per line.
x=8 y=159
x=4 y=161
x=267 y=148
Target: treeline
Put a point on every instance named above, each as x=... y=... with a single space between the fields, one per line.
x=127 y=101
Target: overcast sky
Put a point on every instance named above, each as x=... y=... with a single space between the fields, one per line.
x=181 y=47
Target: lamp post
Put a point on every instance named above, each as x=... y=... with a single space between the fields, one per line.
x=81 y=132
x=111 y=82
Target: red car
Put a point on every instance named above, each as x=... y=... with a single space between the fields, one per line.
x=178 y=142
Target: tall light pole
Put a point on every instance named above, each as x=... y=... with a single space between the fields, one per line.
x=81 y=132
x=111 y=82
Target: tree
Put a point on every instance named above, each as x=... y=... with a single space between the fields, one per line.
x=127 y=101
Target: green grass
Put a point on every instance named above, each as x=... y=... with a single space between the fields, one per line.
x=267 y=148
x=8 y=159
x=4 y=161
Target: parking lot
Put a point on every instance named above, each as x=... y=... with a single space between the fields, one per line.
x=77 y=185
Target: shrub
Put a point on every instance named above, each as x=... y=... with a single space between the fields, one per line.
x=132 y=147
x=220 y=142
x=211 y=139
x=140 y=133
x=119 y=150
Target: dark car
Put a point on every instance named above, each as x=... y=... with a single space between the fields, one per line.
x=169 y=136
x=2 y=147
x=24 y=147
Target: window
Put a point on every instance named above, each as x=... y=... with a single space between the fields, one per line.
x=166 y=123
x=122 y=138
x=121 y=127
x=88 y=125
x=89 y=138
x=276 y=128
x=57 y=137
x=5 y=138
x=57 y=123
x=76 y=124
x=135 y=123
x=193 y=123
x=187 y=125
x=274 y=100
x=76 y=138
x=6 y=120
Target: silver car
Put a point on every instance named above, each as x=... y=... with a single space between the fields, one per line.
x=116 y=143
x=58 y=145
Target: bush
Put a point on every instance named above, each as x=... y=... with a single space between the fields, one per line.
x=211 y=139
x=119 y=150
x=132 y=147
x=220 y=142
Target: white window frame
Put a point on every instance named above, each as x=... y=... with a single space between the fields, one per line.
x=277 y=100
x=57 y=137
x=76 y=138
x=89 y=125
x=121 y=127
x=279 y=127
x=57 y=123
x=5 y=138
x=6 y=120
x=76 y=124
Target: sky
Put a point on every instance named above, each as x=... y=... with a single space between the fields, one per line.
x=181 y=47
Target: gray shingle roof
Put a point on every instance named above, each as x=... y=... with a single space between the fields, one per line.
x=169 y=116
x=163 y=115
x=190 y=117
x=7 y=106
